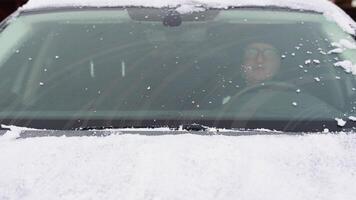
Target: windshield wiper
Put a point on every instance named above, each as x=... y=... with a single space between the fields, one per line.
x=90 y=128
x=194 y=127
x=186 y=127
x=99 y=128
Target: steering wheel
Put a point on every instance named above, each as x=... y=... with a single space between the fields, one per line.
x=250 y=100
x=280 y=86
x=280 y=100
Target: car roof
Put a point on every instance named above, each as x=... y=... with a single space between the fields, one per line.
x=322 y=6
x=317 y=5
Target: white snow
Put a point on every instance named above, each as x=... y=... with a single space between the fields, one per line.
x=340 y=122
x=336 y=50
x=352 y=118
x=342 y=45
x=347 y=65
x=336 y=44
x=184 y=9
x=189 y=167
x=324 y=6
x=316 y=61
x=347 y=44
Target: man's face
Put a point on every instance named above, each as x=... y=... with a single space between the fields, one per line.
x=261 y=62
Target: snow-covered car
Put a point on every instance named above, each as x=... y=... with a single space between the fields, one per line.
x=245 y=99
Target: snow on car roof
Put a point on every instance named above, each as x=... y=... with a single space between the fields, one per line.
x=330 y=10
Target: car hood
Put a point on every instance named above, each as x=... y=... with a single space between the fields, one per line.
x=185 y=166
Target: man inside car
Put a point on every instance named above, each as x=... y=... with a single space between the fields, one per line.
x=261 y=61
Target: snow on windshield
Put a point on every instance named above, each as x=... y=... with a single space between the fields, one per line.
x=324 y=6
x=320 y=166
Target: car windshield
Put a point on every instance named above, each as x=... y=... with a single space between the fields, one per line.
x=235 y=68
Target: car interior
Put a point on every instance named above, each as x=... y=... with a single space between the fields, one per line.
x=145 y=66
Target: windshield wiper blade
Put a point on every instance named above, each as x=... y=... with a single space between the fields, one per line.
x=93 y=128
x=90 y=128
x=60 y=133
x=194 y=127
x=186 y=127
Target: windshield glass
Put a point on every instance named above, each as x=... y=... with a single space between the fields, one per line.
x=237 y=68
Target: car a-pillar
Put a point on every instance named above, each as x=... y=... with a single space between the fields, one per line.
x=9 y=6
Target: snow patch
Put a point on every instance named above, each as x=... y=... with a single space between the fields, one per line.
x=347 y=44
x=184 y=9
x=337 y=50
x=347 y=65
x=317 y=79
x=316 y=61
x=190 y=167
x=340 y=122
x=342 y=45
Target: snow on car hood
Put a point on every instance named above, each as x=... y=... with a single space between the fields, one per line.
x=324 y=6
x=135 y=167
